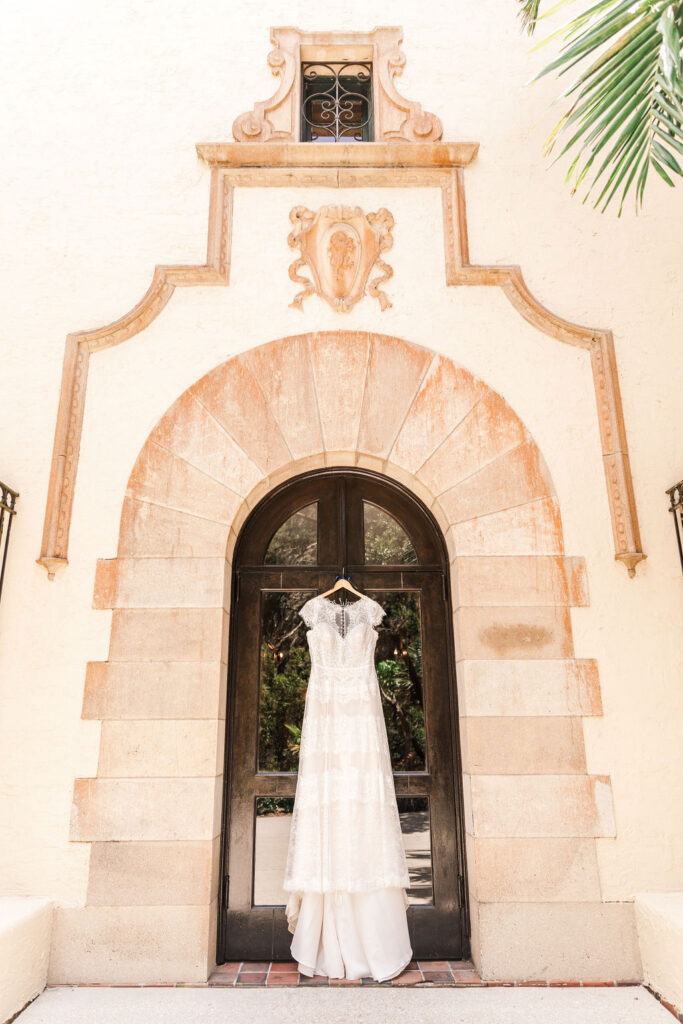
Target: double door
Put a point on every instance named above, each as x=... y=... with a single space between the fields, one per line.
x=329 y=523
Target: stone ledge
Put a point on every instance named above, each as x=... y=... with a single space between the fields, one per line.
x=25 y=930
x=320 y=154
x=659 y=918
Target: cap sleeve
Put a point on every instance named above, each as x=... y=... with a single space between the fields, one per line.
x=309 y=612
x=377 y=613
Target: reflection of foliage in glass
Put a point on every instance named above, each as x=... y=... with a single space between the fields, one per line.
x=386 y=542
x=399 y=671
x=285 y=670
x=296 y=541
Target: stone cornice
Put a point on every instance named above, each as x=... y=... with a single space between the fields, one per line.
x=321 y=154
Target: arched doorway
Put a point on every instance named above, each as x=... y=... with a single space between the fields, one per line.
x=298 y=538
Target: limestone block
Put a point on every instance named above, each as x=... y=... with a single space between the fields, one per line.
x=155 y=689
x=531 y=529
x=522 y=746
x=521 y=580
x=659 y=917
x=486 y=433
x=161 y=749
x=339 y=363
x=446 y=396
x=515 y=478
x=544 y=687
x=175 y=634
x=233 y=397
x=25 y=928
x=283 y=371
x=130 y=945
x=558 y=942
x=191 y=433
x=151 y=873
x=395 y=371
x=148 y=530
x=131 y=809
x=161 y=582
x=164 y=479
x=541 y=805
x=535 y=870
x=513 y=632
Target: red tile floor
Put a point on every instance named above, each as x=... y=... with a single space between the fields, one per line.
x=418 y=972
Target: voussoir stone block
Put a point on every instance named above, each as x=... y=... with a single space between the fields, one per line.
x=154 y=690
x=513 y=632
x=488 y=431
x=447 y=394
x=507 y=687
x=515 y=478
x=130 y=945
x=233 y=397
x=522 y=746
x=534 y=870
x=340 y=362
x=531 y=529
x=151 y=873
x=162 y=478
x=395 y=371
x=511 y=806
x=191 y=433
x=284 y=373
x=153 y=530
x=130 y=809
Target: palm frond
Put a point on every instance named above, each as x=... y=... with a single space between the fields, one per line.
x=528 y=13
x=627 y=104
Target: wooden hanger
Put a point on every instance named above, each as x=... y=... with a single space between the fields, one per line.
x=343 y=582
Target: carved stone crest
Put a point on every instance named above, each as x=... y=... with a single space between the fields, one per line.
x=340 y=246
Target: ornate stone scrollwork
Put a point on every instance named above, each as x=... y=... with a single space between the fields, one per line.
x=396 y=119
x=340 y=245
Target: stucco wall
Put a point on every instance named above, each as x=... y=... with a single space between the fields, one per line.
x=99 y=155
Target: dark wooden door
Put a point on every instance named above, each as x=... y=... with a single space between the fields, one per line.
x=294 y=544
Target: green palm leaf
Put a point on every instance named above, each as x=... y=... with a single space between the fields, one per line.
x=626 y=104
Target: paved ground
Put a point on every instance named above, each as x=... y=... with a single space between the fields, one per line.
x=632 y=1005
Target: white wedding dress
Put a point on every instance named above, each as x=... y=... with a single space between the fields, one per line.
x=346 y=869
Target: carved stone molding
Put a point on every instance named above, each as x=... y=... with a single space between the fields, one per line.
x=368 y=164
x=67 y=442
x=395 y=118
x=600 y=344
x=340 y=246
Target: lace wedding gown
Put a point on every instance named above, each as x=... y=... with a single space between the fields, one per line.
x=346 y=869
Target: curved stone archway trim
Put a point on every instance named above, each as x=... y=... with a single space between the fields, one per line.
x=152 y=814
x=342 y=165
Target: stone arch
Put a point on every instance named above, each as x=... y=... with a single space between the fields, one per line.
x=153 y=812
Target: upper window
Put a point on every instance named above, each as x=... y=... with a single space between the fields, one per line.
x=336 y=101
x=296 y=541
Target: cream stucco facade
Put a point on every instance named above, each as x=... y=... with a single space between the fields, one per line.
x=105 y=184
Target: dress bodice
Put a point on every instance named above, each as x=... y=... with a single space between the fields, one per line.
x=342 y=637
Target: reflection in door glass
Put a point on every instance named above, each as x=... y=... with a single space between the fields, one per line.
x=398 y=660
x=271 y=839
x=385 y=540
x=414 y=814
x=284 y=668
x=296 y=541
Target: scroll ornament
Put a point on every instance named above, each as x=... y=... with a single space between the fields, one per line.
x=340 y=246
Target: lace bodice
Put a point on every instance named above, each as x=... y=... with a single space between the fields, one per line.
x=345 y=831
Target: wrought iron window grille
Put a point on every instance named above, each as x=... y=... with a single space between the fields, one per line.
x=676 y=508
x=8 y=502
x=336 y=101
